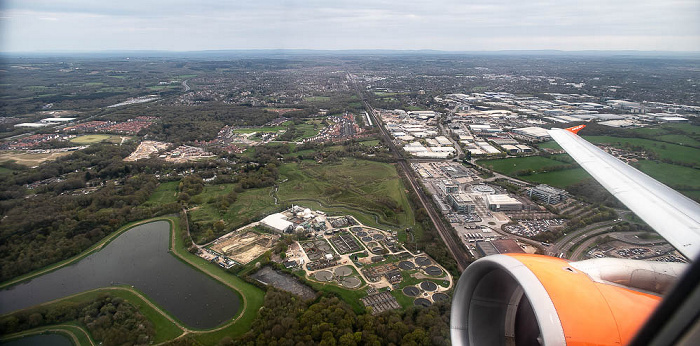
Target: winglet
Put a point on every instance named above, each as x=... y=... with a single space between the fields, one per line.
x=575 y=129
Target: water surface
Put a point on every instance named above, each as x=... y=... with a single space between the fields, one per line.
x=138 y=257
x=40 y=340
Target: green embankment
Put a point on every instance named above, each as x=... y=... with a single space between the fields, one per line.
x=77 y=334
x=165 y=324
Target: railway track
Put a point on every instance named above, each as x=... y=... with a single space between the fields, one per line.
x=454 y=246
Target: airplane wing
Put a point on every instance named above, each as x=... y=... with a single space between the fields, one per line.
x=672 y=215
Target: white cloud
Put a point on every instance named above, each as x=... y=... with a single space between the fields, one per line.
x=30 y=25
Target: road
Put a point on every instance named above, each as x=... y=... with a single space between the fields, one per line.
x=454 y=246
x=573 y=238
x=460 y=153
x=187 y=87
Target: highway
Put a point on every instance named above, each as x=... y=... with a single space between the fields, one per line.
x=454 y=245
x=573 y=238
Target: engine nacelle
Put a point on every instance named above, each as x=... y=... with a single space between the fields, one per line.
x=539 y=300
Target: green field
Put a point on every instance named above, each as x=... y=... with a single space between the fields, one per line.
x=317 y=99
x=511 y=165
x=250 y=204
x=672 y=175
x=549 y=145
x=370 y=143
x=684 y=140
x=260 y=129
x=370 y=191
x=664 y=150
x=164 y=194
x=560 y=179
x=365 y=187
x=90 y=139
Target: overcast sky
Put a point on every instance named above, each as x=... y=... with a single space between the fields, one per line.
x=453 y=25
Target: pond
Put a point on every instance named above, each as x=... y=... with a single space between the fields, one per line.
x=138 y=257
x=40 y=340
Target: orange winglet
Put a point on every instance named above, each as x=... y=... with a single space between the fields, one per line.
x=575 y=129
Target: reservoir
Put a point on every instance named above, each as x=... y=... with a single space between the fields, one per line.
x=138 y=257
x=40 y=340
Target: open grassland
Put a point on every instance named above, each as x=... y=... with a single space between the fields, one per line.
x=364 y=186
x=260 y=129
x=370 y=143
x=549 y=145
x=165 y=193
x=511 y=165
x=89 y=139
x=680 y=139
x=560 y=179
x=249 y=204
x=29 y=159
x=370 y=191
x=684 y=179
x=668 y=151
x=317 y=99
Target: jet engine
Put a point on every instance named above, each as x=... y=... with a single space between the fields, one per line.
x=522 y=299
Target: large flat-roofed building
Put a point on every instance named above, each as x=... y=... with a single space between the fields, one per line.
x=507 y=246
x=547 y=194
x=537 y=133
x=461 y=203
x=447 y=186
x=503 y=203
x=277 y=222
x=486 y=248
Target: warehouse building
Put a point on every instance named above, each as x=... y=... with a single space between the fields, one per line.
x=278 y=223
x=503 y=203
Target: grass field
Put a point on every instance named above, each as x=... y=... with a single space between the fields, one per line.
x=684 y=140
x=672 y=175
x=549 y=145
x=364 y=186
x=249 y=204
x=355 y=187
x=261 y=129
x=511 y=165
x=370 y=143
x=317 y=99
x=29 y=159
x=664 y=150
x=89 y=139
x=165 y=193
x=560 y=179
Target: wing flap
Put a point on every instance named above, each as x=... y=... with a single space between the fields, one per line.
x=672 y=215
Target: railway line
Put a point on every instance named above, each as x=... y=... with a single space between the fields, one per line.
x=454 y=246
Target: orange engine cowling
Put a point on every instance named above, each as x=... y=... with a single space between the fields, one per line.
x=539 y=300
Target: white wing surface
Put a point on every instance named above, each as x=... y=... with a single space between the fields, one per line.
x=672 y=215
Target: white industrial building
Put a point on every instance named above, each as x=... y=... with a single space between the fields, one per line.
x=503 y=203
x=534 y=132
x=277 y=222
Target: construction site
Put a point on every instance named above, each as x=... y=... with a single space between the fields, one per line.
x=242 y=246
